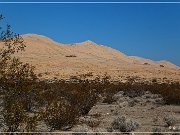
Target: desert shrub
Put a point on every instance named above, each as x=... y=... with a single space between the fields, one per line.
x=84 y=76
x=133 y=90
x=16 y=80
x=46 y=73
x=92 y=122
x=96 y=115
x=98 y=131
x=169 y=91
x=131 y=103
x=110 y=89
x=109 y=99
x=40 y=75
x=118 y=95
x=31 y=123
x=14 y=116
x=154 y=80
x=161 y=65
x=170 y=120
x=59 y=114
x=146 y=64
x=124 y=125
x=156 y=131
x=71 y=56
x=109 y=129
x=81 y=131
x=83 y=95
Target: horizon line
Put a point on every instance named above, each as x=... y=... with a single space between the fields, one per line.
x=88 y=2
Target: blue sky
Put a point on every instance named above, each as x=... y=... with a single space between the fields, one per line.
x=146 y=30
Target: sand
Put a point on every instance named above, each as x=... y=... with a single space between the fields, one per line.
x=53 y=59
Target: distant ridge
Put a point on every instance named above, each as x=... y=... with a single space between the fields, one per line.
x=53 y=59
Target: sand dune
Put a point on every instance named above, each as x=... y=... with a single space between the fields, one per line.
x=54 y=59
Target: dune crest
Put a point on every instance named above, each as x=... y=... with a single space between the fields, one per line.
x=53 y=59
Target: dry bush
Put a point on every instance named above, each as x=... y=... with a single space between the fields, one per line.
x=81 y=131
x=59 y=114
x=90 y=121
x=169 y=91
x=71 y=56
x=124 y=125
x=14 y=116
x=82 y=95
x=157 y=131
x=133 y=89
x=16 y=80
x=170 y=120
x=31 y=123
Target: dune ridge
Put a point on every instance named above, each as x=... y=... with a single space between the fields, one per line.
x=53 y=59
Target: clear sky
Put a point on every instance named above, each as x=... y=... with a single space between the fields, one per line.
x=146 y=30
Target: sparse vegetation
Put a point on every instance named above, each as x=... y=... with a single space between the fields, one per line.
x=146 y=64
x=161 y=65
x=71 y=56
x=92 y=122
x=124 y=125
x=28 y=100
x=81 y=131
x=157 y=131
x=170 y=120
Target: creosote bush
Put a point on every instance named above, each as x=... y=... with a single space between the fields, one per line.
x=81 y=131
x=157 y=131
x=124 y=125
x=170 y=120
x=59 y=114
x=16 y=80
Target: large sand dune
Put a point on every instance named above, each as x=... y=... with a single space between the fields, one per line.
x=54 y=59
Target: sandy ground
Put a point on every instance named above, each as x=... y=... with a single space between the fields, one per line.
x=149 y=112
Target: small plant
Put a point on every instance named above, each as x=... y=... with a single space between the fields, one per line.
x=98 y=131
x=96 y=115
x=81 y=131
x=154 y=80
x=156 y=131
x=146 y=64
x=131 y=103
x=47 y=73
x=92 y=122
x=71 y=56
x=170 y=120
x=109 y=129
x=124 y=125
x=161 y=65
x=40 y=75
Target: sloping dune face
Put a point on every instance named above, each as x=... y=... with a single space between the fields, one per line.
x=53 y=59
